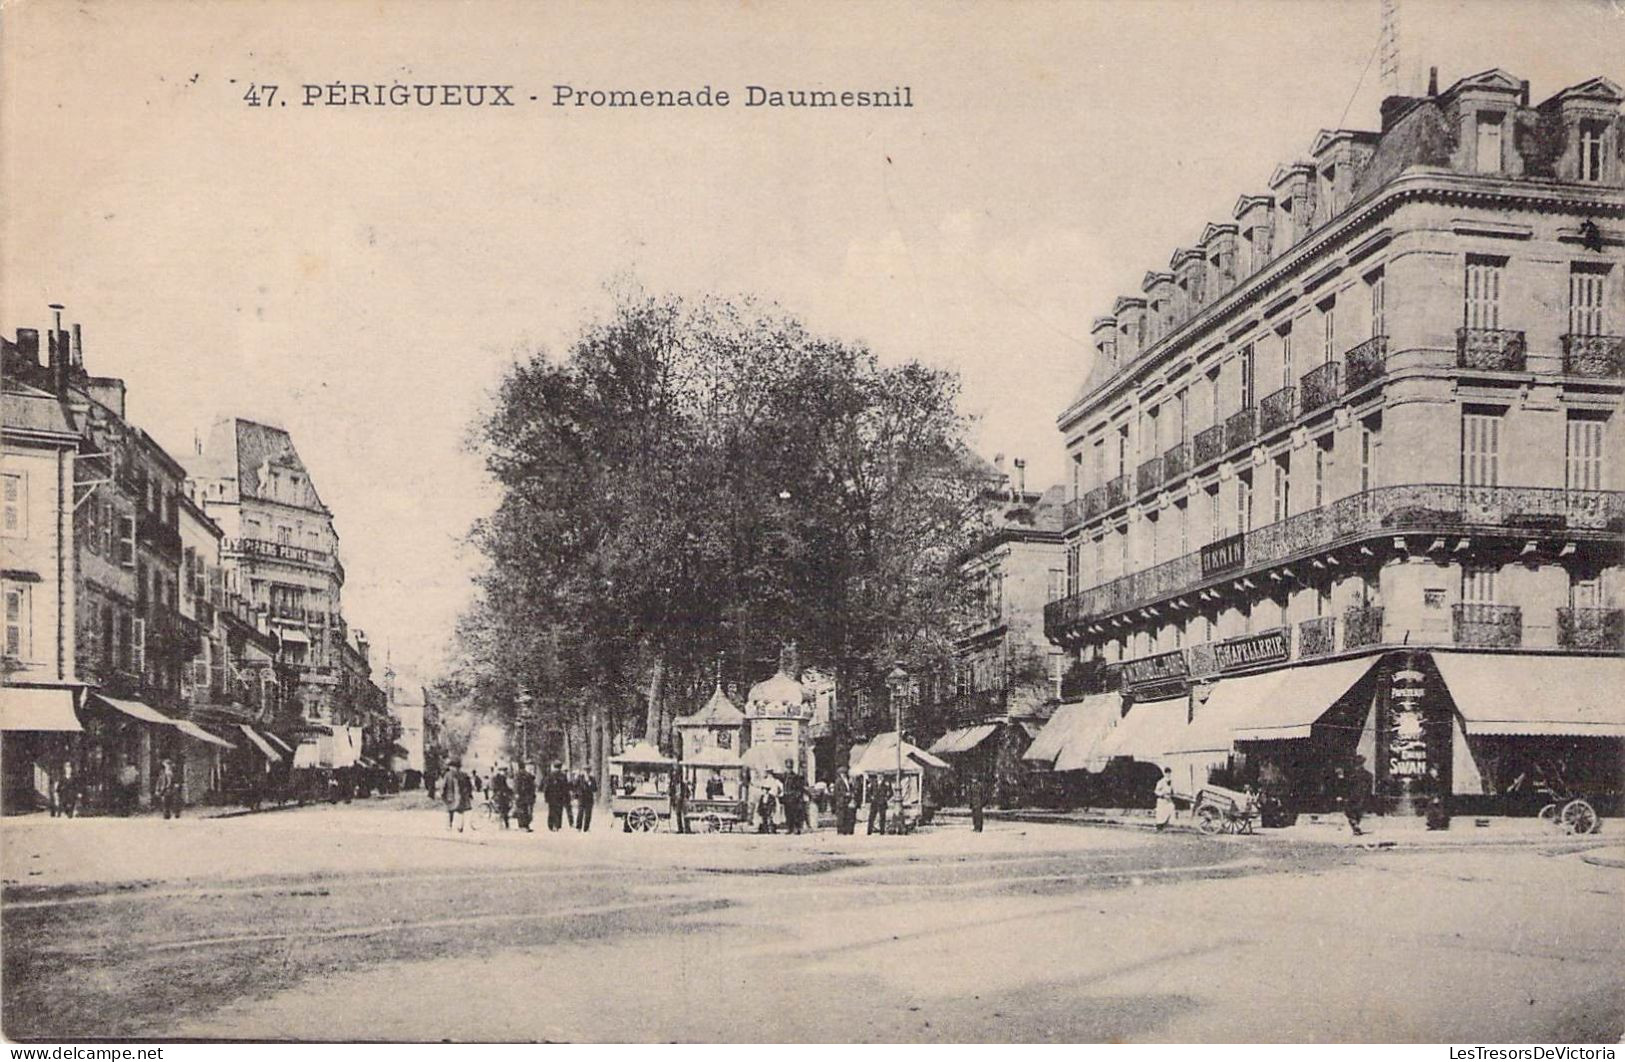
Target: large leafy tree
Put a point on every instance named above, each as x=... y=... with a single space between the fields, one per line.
x=700 y=482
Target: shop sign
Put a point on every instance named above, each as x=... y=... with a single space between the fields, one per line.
x=1267 y=647
x=1407 y=729
x=1225 y=555
x=1160 y=670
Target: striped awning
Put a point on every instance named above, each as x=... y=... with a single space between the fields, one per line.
x=260 y=743
x=962 y=740
x=133 y=709
x=192 y=730
x=38 y=708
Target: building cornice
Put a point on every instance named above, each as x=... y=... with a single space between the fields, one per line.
x=1417 y=184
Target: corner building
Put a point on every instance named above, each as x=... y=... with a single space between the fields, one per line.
x=1344 y=478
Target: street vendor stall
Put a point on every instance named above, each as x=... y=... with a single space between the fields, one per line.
x=717 y=797
x=640 y=788
x=879 y=759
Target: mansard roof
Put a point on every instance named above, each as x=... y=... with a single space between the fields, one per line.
x=1494 y=80
x=1598 y=88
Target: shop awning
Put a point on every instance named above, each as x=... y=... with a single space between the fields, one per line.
x=192 y=730
x=260 y=743
x=1283 y=704
x=1100 y=716
x=1080 y=724
x=1552 y=696
x=38 y=708
x=880 y=757
x=134 y=709
x=307 y=755
x=283 y=745
x=292 y=636
x=1146 y=733
x=962 y=740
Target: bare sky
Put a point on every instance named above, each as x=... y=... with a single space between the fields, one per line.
x=362 y=275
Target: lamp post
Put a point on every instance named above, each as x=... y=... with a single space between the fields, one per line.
x=523 y=698
x=895 y=681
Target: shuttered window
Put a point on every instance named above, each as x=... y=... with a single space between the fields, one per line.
x=1478 y=586
x=1586 y=285
x=1584 y=466
x=1482 y=308
x=1480 y=449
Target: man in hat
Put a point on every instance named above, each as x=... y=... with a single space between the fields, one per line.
x=524 y=797
x=168 y=790
x=846 y=802
x=586 y=791
x=556 y=791
x=1356 y=791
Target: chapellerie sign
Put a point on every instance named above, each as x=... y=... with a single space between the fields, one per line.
x=1266 y=647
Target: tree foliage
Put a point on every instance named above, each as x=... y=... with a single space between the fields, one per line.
x=700 y=482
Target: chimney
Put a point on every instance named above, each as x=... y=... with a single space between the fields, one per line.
x=57 y=348
x=1433 y=81
x=28 y=344
x=1021 y=475
x=78 y=359
x=1523 y=93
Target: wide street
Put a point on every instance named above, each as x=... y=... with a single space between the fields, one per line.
x=370 y=921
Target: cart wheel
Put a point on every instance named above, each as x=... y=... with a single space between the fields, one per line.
x=1548 y=815
x=1580 y=817
x=713 y=823
x=1208 y=819
x=642 y=820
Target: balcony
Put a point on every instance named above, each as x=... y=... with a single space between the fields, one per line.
x=1322 y=386
x=1209 y=445
x=1278 y=410
x=1591 y=628
x=1594 y=355
x=1317 y=637
x=1362 y=625
x=1094 y=503
x=1116 y=492
x=1072 y=513
x=1365 y=362
x=1240 y=428
x=1176 y=462
x=1416 y=508
x=1148 y=477
x=1500 y=349
x=1498 y=626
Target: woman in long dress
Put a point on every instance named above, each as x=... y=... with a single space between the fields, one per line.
x=1165 y=798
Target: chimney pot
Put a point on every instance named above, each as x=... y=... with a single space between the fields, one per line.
x=28 y=344
x=1433 y=81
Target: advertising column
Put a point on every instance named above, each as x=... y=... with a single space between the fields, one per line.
x=1413 y=739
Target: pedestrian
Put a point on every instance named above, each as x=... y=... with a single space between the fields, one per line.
x=525 y=796
x=502 y=796
x=457 y=792
x=880 y=791
x=795 y=802
x=1165 y=798
x=129 y=787
x=679 y=798
x=68 y=790
x=168 y=790
x=479 y=783
x=586 y=793
x=1356 y=791
x=846 y=802
x=429 y=781
x=1438 y=808
x=766 y=808
x=978 y=801
x=556 y=791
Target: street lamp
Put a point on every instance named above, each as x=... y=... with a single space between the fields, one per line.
x=523 y=699
x=895 y=681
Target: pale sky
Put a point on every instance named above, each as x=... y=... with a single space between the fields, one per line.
x=362 y=275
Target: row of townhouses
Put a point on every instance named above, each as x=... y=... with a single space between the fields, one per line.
x=161 y=608
x=1343 y=479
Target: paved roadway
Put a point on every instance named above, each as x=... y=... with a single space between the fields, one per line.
x=371 y=922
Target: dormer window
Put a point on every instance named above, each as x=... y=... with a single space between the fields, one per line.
x=1489 y=142
x=1328 y=184
x=1591 y=150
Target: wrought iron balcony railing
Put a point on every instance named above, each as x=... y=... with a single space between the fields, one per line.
x=1318 y=636
x=1591 y=628
x=1094 y=503
x=1116 y=492
x=1240 y=428
x=1491 y=625
x=1490 y=348
x=1321 y=386
x=1364 y=362
x=1209 y=444
x=1148 y=477
x=1362 y=625
x=1278 y=410
x=1594 y=355
x=1072 y=513
x=1422 y=507
x=1176 y=461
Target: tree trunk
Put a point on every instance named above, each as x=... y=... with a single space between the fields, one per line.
x=657 y=688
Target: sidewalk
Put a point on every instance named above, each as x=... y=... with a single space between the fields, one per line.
x=1378 y=831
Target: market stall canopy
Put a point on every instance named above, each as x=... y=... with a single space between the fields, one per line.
x=192 y=730
x=1074 y=730
x=134 y=709
x=38 y=708
x=962 y=740
x=307 y=755
x=880 y=757
x=642 y=752
x=1146 y=733
x=1285 y=704
x=718 y=711
x=260 y=743
x=1557 y=696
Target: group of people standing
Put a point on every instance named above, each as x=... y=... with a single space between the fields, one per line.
x=569 y=800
